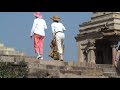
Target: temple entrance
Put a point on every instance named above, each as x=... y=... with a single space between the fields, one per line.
x=103 y=52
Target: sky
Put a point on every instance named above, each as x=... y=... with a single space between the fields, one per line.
x=15 y=28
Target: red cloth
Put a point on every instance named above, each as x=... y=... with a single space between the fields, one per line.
x=39 y=43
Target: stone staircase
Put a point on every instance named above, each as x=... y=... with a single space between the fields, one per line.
x=72 y=70
x=58 y=69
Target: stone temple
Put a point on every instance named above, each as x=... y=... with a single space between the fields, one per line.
x=98 y=38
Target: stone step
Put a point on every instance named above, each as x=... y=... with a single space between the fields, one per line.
x=44 y=62
x=104 y=65
x=59 y=67
x=78 y=76
x=110 y=74
x=77 y=73
x=109 y=69
x=67 y=69
x=63 y=73
x=91 y=65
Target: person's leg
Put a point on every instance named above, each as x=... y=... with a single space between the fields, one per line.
x=59 y=45
x=62 y=46
x=36 y=45
x=41 y=46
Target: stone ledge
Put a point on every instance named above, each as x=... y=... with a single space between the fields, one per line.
x=43 y=73
x=110 y=74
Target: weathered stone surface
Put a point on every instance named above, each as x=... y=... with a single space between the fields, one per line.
x=52 y=62
x=95 y=72
x=110 y=74
x=49 y=68
x=6 y=59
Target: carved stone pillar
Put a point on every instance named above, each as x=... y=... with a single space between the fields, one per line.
x=91 y=53
x=113 y=53
x=81 y=56
x=92 y=57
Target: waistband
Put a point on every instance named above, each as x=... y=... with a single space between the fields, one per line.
x=58 y=32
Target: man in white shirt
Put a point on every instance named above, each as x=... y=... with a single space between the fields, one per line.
x=38 y=31
x=58 y=33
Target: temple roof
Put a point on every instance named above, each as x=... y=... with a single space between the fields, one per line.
x=106 y=23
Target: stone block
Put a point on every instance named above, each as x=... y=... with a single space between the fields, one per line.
x=68 y=68
x=104 y=65
x=69 y=75
x=61 y=67
x=77 y=72
x=6 y=59
x=109 y=69
x=37 y=66
x=38 y=73
x=19 y=58
x=52 y=62
x=30 y=59
x=92 y=72
x=52 y=67
x=110 y=74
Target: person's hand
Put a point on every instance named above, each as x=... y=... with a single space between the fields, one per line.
x=31 y=37
x=53 y=36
